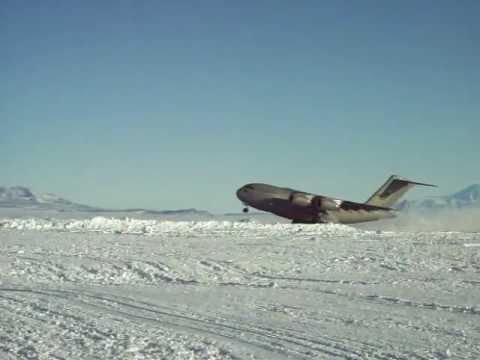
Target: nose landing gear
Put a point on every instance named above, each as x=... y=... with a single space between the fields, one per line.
x=245 y=210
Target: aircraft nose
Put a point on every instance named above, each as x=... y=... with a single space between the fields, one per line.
x=244 y=192
x=241 y=193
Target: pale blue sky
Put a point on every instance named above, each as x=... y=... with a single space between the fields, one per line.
x=176 y=104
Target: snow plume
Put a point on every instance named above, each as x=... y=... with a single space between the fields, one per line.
x=445 y=220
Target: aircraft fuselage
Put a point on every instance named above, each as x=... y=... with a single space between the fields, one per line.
x=303 y=207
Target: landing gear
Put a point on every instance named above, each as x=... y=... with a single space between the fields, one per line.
x=245 y=210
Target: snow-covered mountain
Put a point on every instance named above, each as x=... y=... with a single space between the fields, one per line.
x=466 y=198
x=16 y=194
x=21 y=197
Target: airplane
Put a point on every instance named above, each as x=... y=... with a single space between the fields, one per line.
x=306 y=208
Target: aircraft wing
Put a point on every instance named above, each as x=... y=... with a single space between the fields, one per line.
x=353 y=206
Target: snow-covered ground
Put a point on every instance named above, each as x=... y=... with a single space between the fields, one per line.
x=148 y=289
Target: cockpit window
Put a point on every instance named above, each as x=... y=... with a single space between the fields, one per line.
x=249 y=187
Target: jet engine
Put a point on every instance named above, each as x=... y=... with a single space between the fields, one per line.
x=317 y=203
x=322 y=203
x=301 y=199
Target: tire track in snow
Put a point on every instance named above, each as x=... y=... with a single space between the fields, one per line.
x=307 y=347
x=65 y=318
x=281 y=342
x=373 y=297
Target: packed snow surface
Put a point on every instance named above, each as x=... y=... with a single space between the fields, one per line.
x=146 y=289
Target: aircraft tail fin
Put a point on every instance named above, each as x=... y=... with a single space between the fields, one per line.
x=390 y=192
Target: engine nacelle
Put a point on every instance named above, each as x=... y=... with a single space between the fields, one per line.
x=315 y=203
x=322 y=203
x=301 y=199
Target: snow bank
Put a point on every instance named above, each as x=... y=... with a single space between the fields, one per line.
x=153 y=227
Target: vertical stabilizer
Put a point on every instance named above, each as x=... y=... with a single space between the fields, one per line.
x=390 y=192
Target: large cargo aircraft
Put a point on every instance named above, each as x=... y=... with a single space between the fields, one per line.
x=303 y=207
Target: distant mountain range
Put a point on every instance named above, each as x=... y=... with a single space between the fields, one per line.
x=20 y=197
x=466 y=198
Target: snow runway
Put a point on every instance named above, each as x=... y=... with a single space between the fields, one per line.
x=144 y=289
